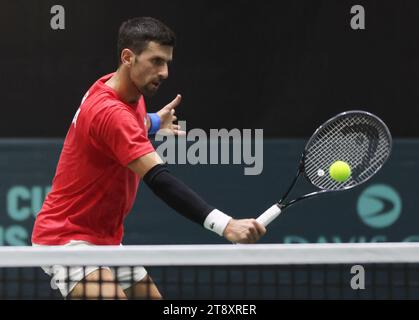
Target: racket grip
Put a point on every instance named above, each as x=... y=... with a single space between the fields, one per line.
x=269 y=215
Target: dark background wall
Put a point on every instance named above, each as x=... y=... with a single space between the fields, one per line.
x=284 y=66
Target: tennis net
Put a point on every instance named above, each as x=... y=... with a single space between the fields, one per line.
x=260 y=271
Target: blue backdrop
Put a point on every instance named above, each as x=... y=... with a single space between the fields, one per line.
x=384 y=209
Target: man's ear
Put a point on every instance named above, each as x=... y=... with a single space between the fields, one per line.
x=127 y=57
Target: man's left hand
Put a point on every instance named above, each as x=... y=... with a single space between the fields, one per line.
x=168 y=117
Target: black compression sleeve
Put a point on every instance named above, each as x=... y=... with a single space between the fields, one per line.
x=176 y=194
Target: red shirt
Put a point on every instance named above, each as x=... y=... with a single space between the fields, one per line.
x=93 y=190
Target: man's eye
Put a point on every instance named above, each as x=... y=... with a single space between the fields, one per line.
x=158 y=62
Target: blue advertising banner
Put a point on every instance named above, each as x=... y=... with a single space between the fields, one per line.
x=382 y=210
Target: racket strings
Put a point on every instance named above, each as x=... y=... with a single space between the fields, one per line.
x=373 y=133
x=349 y=149
x=323 y=155
x=359 y=139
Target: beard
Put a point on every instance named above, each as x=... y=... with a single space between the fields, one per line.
x=148 y=90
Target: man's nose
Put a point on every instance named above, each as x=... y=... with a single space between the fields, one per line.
x=164 y=72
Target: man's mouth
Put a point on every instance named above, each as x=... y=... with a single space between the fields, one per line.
x=156 y=84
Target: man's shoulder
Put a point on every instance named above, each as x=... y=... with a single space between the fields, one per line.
x=100 y=92
x=103 y=100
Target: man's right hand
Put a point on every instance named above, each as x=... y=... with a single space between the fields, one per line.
x=244 y=231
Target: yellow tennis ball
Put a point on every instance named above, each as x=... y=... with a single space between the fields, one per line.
x=340 y=171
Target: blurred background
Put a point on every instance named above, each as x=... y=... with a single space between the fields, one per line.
x=284 y=67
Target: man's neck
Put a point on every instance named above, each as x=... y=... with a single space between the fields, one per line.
x=124 y=88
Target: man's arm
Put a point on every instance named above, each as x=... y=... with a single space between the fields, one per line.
x=186 y=202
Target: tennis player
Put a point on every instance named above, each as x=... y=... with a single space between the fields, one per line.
x=106 y=153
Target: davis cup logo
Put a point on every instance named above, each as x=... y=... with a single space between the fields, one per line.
x=379 y=206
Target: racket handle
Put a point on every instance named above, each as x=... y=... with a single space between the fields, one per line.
x=269 y=215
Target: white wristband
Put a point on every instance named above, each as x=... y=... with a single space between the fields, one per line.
x=217 y=221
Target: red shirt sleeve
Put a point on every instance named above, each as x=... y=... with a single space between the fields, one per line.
x=120 y=135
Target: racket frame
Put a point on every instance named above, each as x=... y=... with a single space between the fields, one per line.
x=274 y=211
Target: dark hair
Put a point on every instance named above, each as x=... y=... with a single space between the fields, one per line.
x=136 y=33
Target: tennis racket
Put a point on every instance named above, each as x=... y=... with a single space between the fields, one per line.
x=359 y=138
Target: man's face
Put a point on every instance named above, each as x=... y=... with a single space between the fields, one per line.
x=150 y=68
